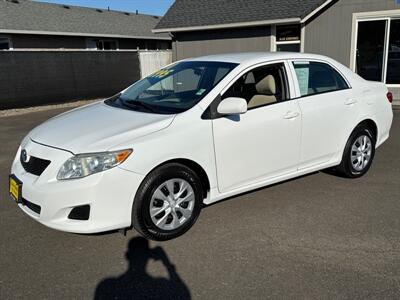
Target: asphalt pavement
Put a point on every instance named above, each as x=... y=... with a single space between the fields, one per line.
x=316 y=237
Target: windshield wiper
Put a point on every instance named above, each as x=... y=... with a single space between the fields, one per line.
x=131 y=103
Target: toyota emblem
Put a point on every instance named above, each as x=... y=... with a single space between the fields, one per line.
x=24 y=156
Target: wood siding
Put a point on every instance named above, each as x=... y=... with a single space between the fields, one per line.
x=330 y=33
x=199 y=43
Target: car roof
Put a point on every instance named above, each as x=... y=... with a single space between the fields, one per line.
x=255 y=57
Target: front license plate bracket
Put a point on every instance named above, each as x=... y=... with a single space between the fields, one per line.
x=15 y=188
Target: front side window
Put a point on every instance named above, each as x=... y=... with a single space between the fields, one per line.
x=316 y=78
x=174 y=89
x=261 y=86
x=5 y=43
x=98 y=44
x=107 y=45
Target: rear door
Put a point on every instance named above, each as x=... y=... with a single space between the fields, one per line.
x=329 y=110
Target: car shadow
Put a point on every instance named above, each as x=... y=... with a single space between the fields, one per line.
x=136 y=283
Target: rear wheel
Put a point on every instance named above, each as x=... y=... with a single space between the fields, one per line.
x=358 y=154
x=167 y=203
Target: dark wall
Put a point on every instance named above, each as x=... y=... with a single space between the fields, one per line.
x=32 y=41
x=47 y=41
x=198 y=43
x=30 y=78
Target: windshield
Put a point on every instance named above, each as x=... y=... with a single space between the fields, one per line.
x=174 y=89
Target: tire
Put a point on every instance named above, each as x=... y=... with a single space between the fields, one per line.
x=155 y=193
x=351 y=156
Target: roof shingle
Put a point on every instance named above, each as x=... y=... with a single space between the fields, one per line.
x=193 y=13
x=26 y=15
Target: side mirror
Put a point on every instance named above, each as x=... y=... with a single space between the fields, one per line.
x=232 y=106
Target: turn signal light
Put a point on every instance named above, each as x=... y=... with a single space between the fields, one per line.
x=123 y=155
x=389 y=96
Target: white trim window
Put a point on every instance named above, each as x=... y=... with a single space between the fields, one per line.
x=288 y=38
x=102 y=44
x=5 y=43
x=376 y=55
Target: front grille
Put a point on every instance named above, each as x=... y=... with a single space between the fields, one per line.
x=33 y=207
x=35 y=166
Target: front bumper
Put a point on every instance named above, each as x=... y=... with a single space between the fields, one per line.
x=109 y=194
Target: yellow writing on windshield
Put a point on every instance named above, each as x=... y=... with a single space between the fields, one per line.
x=162 y=73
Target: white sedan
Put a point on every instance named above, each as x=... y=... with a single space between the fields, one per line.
x=196 y=132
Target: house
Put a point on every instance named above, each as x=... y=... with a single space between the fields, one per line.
x=53 y=53
x=364 y=35
x=26 y=24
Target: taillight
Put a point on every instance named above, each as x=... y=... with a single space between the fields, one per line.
x=389 y=96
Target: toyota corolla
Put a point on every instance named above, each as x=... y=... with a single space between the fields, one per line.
x=196 y=132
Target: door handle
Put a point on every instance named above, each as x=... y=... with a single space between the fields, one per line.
x=290 y=115
x=350 y=102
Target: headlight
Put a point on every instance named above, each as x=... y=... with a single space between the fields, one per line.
x=83 y=165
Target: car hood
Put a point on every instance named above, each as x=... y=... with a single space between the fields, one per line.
x=97 y=127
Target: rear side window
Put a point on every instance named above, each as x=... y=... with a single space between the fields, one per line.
x=316 y=78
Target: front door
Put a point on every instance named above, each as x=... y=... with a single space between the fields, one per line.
x=265 y=141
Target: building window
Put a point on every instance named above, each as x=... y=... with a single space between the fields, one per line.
x=378 y=50
x=288 y=38
x=99 y=44
x=393 y=64
x=5 y=43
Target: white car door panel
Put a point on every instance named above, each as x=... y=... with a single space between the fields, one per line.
x=262 y=143
x=329 y=111
x=327 y=120
x=258 y=145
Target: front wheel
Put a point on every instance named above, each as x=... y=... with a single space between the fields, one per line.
x=167 y=203
x=358 y=153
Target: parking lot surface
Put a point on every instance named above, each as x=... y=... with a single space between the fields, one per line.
x=316 y=237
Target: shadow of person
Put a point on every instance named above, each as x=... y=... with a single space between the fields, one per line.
x=135 y=283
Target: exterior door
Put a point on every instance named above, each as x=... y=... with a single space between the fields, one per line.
x=329 y=111
x=265 y=141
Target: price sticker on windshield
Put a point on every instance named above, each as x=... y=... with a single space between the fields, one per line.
x=162 y=73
